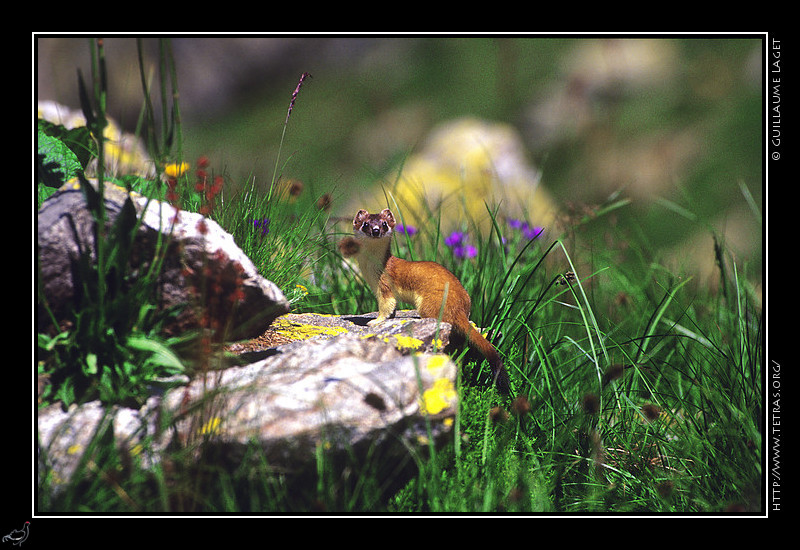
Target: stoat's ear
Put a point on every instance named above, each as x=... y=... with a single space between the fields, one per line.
x=387 y=215
x=361 y=215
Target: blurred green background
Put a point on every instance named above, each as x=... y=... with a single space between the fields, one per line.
x=674 y=124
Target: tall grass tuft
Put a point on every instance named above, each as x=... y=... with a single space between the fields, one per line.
x=110 y=349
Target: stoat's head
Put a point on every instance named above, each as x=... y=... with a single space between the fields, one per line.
x=373 y=225
x=368 y=242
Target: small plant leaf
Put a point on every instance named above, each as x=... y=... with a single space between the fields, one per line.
x=161 y=355
x=55 y=162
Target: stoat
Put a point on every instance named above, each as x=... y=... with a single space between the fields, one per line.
x=422 y=284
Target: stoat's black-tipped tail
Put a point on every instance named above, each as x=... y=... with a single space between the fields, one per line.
x=501 y=380
x=476 y=340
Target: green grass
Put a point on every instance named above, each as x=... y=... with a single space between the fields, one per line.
x=637 y=389
x=649 y=403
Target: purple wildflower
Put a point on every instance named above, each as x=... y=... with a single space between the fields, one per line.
x=454 y=239
x=263 y=224
x=532 y=232
x=408 y=230
x=461 y=248
x=528 y=231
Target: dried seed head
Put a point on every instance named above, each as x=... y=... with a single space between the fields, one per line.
x=348 y=247
x=651 y=411
x=566 y=278
x=613 y=372
x=324 y=202
x=295 y=93
x=622 y=299
x=521 y=406
x=665 y=488
x=295 y=188
x=590 y=403
x=498 y=415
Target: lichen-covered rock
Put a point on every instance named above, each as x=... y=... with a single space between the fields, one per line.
x=350 y=394
x=348 y=385
x=407 y=332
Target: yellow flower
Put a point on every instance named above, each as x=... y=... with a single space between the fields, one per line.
x=211 y=427
x=174 y=170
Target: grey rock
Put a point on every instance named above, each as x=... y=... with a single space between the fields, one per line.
x=200 y=255
x=356 y=394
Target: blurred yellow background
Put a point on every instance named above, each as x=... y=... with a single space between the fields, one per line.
x=547 y=126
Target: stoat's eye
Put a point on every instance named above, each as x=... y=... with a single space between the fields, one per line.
x=385 y=226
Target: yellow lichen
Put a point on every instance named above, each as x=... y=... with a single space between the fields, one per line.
x=408 y=342
x=437 y=362
x=296 y=331
x=438 y=397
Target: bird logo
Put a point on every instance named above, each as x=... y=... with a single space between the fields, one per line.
x=17 y=536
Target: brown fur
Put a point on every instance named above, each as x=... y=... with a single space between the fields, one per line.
x=422 y=284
